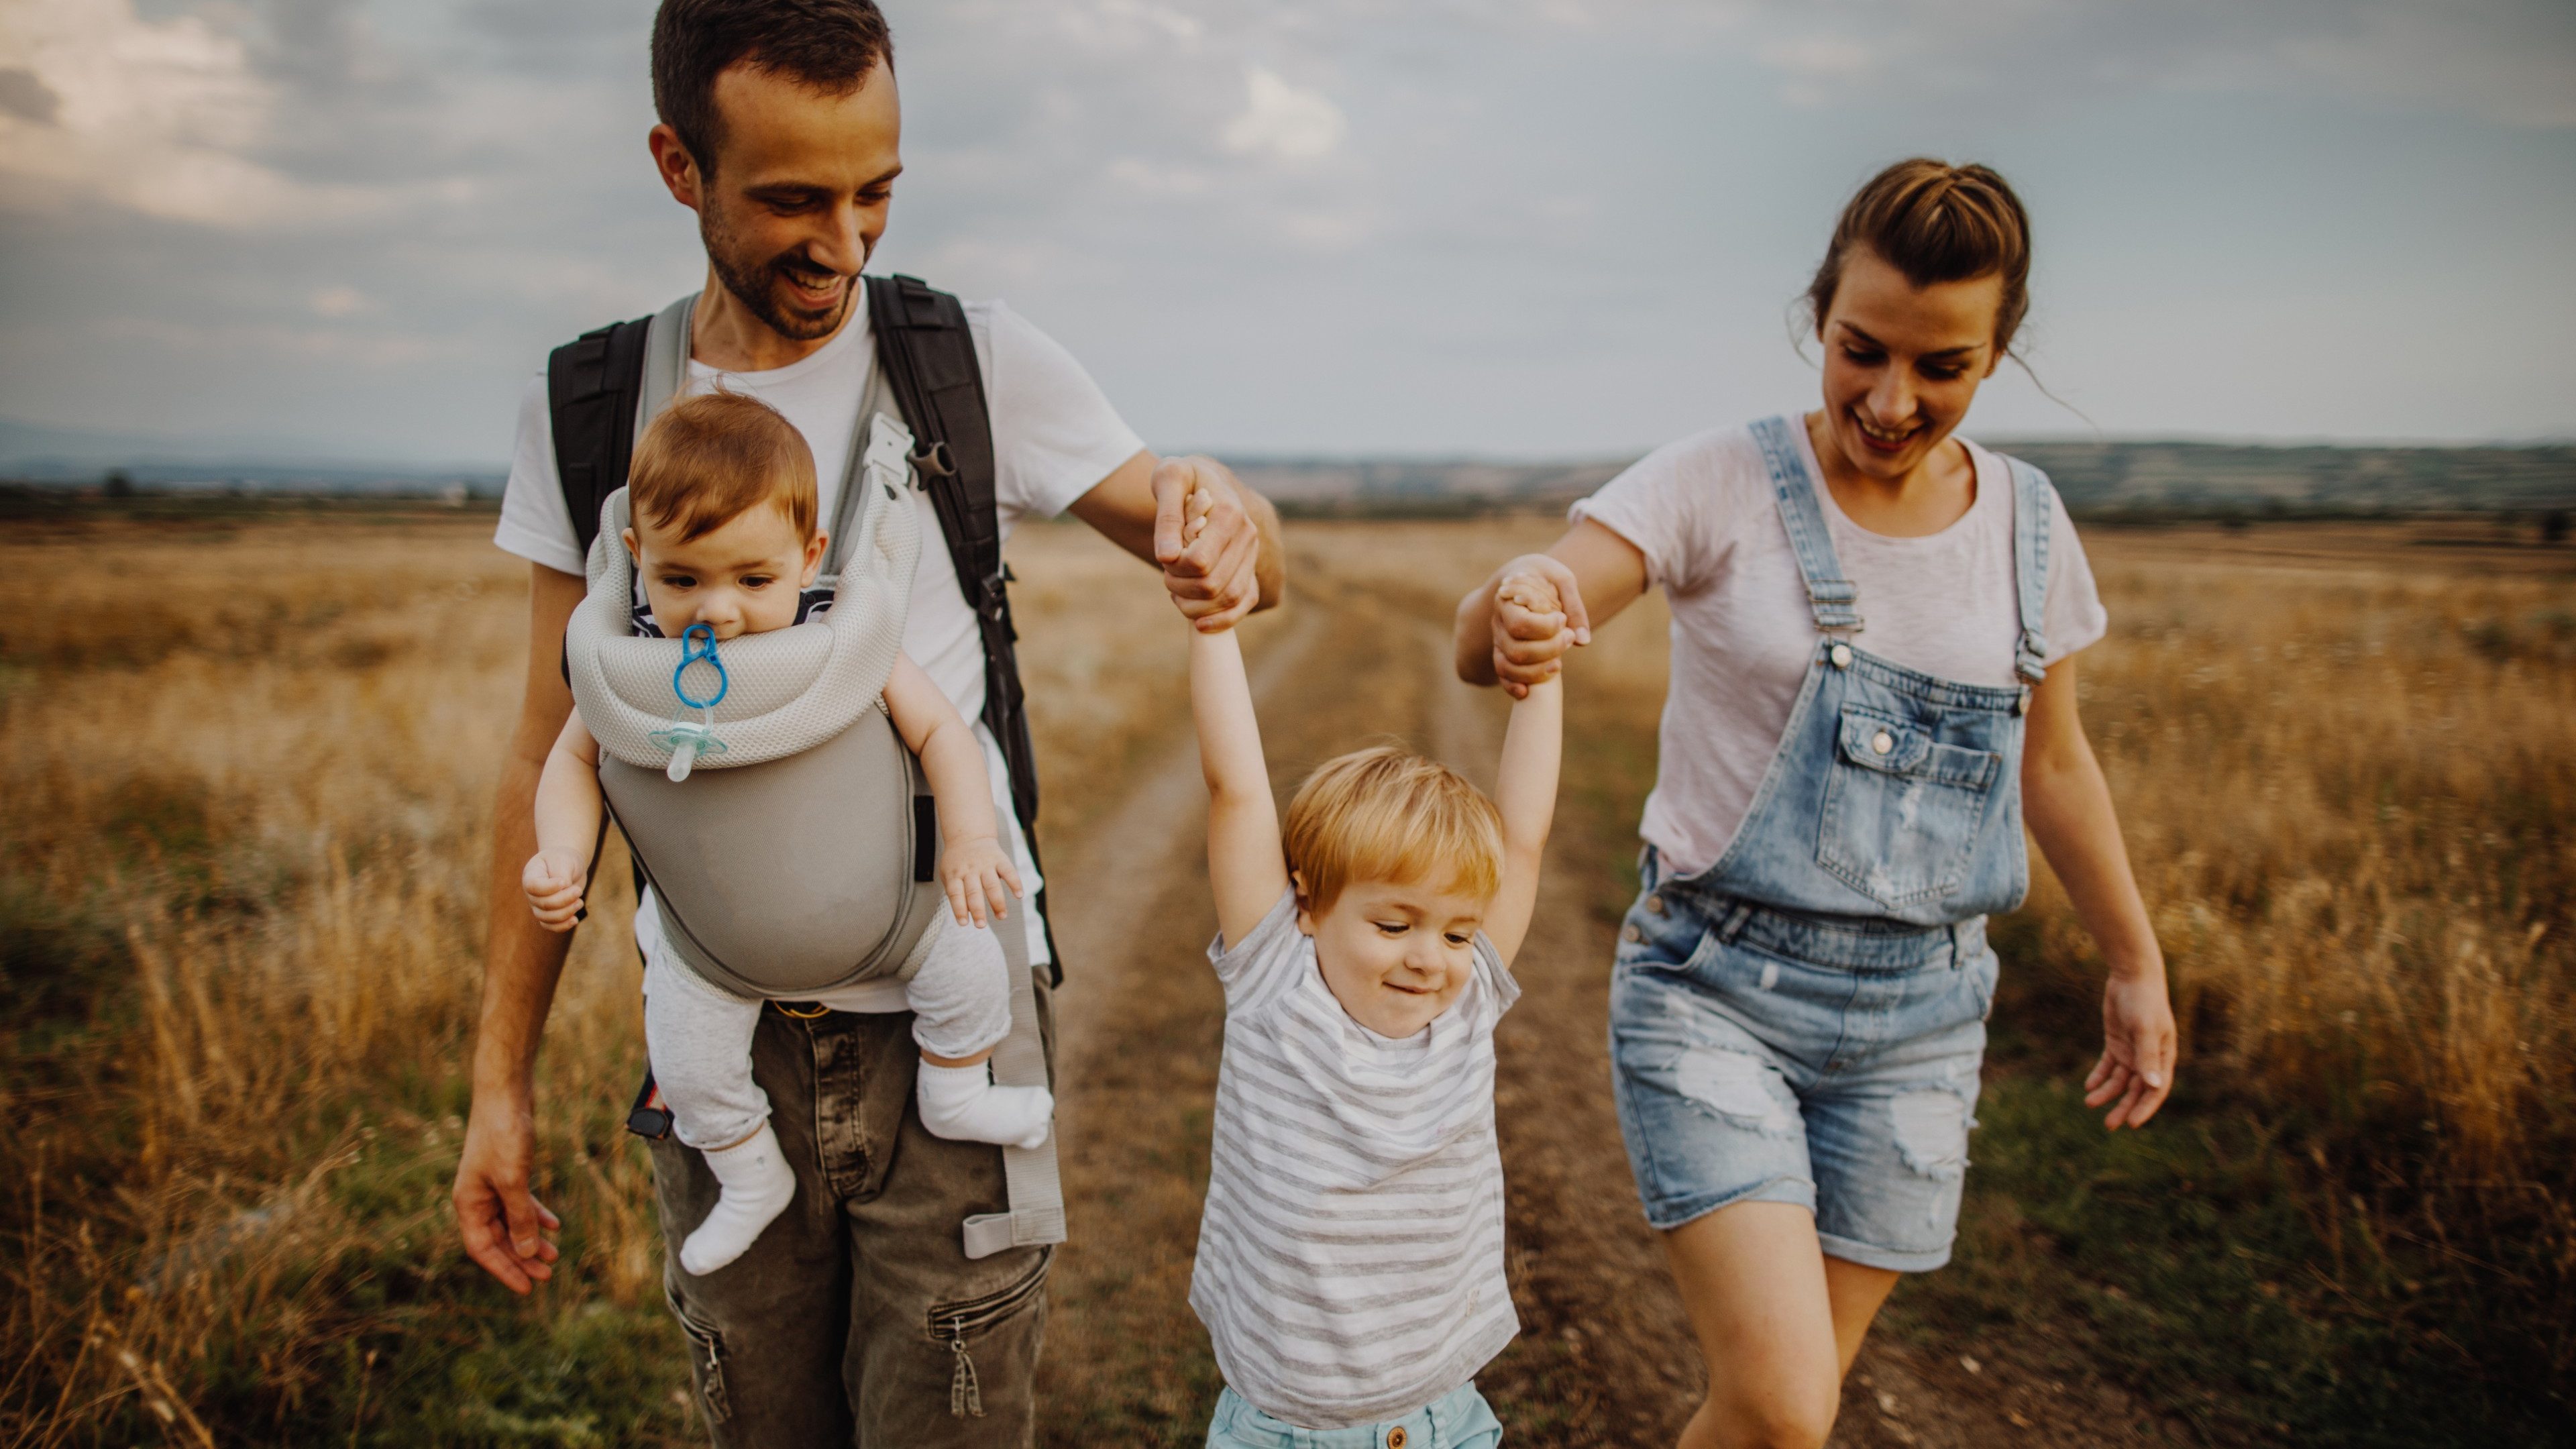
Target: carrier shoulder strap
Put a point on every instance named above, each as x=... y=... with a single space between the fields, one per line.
x=929 y=359
x=592 y=386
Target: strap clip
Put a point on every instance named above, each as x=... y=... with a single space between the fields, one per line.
x=934 y=461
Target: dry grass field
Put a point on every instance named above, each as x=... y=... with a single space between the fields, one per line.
x=244 y=773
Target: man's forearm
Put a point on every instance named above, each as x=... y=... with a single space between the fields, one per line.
x=1270 y=565
x=522 y=961
x=1474 y=631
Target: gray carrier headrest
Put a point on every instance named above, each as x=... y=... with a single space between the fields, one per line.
x=786 y=691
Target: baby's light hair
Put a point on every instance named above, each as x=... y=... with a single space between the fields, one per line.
x=709 y=459
x=1388 y=814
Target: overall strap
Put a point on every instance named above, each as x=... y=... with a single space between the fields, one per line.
x=2031 y=512
x=929 y=359
x=1835 y=600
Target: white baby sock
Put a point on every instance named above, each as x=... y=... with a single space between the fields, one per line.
x=757 y=1187
x=963 y=1104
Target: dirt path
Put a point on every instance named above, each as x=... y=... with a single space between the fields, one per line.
x=1605 y=1356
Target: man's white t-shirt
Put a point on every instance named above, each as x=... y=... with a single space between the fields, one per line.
x=1055 y=436
x=1704 y=514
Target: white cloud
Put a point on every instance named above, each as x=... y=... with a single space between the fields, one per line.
x=338 y=301
x=1283 y=121
x=151 y=116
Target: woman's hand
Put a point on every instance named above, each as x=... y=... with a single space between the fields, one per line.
x=1538 y=616
x=978 y=876
x=556 y=880
x=2135 y=1074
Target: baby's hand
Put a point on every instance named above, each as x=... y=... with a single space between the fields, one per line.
x=979 y=879
x=555 y=881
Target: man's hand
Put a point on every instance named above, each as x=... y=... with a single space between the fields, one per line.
x=503 y=1225
x=1538 y=616
x=556 y=881
x=1208 y=549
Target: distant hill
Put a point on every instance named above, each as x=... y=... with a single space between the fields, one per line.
x=32 y=453
x=2107 y=478
x=2112 y=478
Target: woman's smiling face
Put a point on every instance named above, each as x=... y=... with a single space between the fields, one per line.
x=1902 y=362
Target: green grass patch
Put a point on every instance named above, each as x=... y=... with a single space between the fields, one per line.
x=2200 y=1267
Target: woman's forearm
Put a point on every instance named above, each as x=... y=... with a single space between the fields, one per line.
x=2068 y=804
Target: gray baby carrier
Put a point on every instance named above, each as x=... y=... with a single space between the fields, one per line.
x=787 y=833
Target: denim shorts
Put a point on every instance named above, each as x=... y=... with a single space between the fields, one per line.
x=1459 y=1419
x=1763 y=1057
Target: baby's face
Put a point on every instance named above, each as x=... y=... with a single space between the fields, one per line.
x=742 y=578
x=1396 y=955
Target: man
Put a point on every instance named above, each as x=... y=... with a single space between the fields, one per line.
x=856 y=1317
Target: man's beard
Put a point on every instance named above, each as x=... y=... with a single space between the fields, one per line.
x=755 y=285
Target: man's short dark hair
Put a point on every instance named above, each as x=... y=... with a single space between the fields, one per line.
x=830 y=45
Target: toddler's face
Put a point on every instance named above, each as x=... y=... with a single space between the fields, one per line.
x=1395 y=956
x=742 y=578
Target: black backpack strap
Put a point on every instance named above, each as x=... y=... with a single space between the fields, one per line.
x=593 y=384
x=929 y=360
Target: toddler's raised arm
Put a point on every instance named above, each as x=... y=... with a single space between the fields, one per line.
x=568 y=810
x=1525 y=786
x=1245 y=863
x=974 y=869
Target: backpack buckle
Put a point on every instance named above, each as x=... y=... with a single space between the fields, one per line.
x=996 y=603
x=934 y=460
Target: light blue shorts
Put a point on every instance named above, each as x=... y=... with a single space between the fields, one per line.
x=1459 y=1419
x=1761 y=1057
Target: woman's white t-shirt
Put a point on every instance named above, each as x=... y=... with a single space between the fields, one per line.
x=1704 y=514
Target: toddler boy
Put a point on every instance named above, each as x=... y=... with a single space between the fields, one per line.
x=1350 y=1260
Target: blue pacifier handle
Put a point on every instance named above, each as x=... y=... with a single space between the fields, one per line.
x=698 y=646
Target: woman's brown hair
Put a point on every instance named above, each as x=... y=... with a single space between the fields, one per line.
x=1936 y=222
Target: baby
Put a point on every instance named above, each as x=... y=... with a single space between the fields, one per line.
x=1350 y=1259
x=723 y=497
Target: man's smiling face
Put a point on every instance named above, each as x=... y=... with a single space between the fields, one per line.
x=799 y=193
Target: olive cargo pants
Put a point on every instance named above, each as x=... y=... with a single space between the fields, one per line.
x=856 y=1318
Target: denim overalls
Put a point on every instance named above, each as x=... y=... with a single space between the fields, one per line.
x=1803 y=1022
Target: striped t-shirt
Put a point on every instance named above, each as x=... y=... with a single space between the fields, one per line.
x=1350 y=1264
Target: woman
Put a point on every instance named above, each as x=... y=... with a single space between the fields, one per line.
x=1872 y=682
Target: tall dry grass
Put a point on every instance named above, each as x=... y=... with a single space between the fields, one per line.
x=245 y=775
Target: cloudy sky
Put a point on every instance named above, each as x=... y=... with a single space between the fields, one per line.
x=1513 y=228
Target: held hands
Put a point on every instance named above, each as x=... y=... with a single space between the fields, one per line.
x=556 y=880
x=979 y=879
x=1538 y=616
x=1206 y=542
x=2135 y=1074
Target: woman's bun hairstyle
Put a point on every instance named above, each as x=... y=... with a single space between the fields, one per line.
x=1936 y=222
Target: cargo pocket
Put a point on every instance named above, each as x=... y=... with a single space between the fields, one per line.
x=706 y=1359
x=963 y=1324
x=1901 y=811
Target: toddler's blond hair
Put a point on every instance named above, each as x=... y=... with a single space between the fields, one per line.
x=1388 y=814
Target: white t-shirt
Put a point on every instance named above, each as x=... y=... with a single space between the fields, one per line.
x=1055 y=436
x=1350 y=1260
x=1703 y=512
